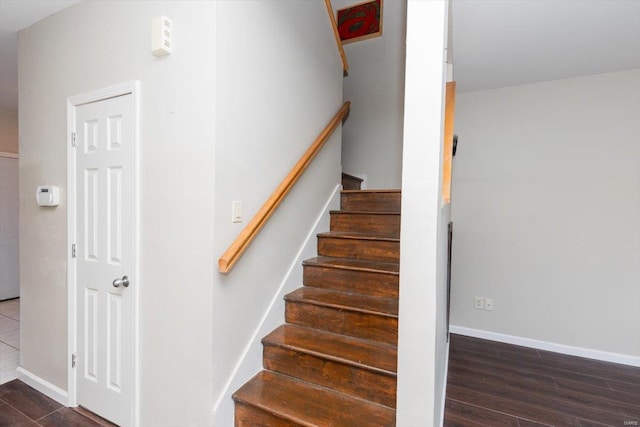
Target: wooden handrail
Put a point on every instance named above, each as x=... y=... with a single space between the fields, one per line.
x=334 y=25
x=447 y=157
x=241 y=243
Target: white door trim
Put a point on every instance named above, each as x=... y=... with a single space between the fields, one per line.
x=132 y=88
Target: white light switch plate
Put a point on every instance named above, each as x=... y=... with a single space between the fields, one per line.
x=236 y=211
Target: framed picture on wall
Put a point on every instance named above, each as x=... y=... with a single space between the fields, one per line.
x=360 y=22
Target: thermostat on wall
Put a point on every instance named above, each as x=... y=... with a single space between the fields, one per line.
x=48 y=195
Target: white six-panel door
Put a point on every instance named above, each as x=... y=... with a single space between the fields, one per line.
x=105 y=137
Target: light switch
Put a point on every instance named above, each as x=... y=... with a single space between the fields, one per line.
x=236 y=211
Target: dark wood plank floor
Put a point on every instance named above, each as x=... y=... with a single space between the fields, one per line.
x=495 y=384
x=489 y=384
x=21 y=405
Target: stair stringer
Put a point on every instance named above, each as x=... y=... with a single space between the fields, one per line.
x=250 y=363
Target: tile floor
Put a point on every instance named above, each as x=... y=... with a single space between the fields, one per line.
x=21 y=405
x=9 y=339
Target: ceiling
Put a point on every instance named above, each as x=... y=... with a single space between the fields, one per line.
x=14 y=16
x=496 y=43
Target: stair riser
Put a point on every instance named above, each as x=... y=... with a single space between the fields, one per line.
x=250 y=416
x=372 y=386
x=351 y=323
x=370 y=202
x=367 y=283
x=366 y=223
x=350 y=182
x=372 y=250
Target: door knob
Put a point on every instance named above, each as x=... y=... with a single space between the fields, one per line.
x=121 y=282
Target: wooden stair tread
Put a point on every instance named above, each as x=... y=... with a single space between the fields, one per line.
x=364 y=212
x=390 y=190
x=354 y=264
x=353 y=235
x=310 y=405
x=361 y=353
x=381 y=306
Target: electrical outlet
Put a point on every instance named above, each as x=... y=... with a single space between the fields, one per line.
x=479 y=303
x=488 y=304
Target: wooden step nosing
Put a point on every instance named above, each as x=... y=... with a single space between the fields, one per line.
x=390 y=191
x=354 y=338
x=353 y=268
x=318 y=303
x=341 y=212
x=357 y=236
x=331 y=357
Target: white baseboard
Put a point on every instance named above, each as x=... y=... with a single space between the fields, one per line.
x=43 y=386
x=604 y=356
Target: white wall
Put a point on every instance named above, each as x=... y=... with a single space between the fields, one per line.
x=279 y=82
x=546 y=207
x=9 y=244
x=372 y=147
x=421 y=344
x=8 y=130
x=90 y=46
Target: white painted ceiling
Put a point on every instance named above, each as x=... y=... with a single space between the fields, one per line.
x=14 y=16
x=498 y=43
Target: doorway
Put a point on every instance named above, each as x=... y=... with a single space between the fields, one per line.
x=9 y=242
x=103 y=236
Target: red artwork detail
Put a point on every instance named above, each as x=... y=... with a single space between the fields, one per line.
x=360 y=20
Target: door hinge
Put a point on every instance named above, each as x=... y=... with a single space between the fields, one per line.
x=73 y=250
x=73 y=360
x=73 y=139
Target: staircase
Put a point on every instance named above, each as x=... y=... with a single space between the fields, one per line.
x=334 y=361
